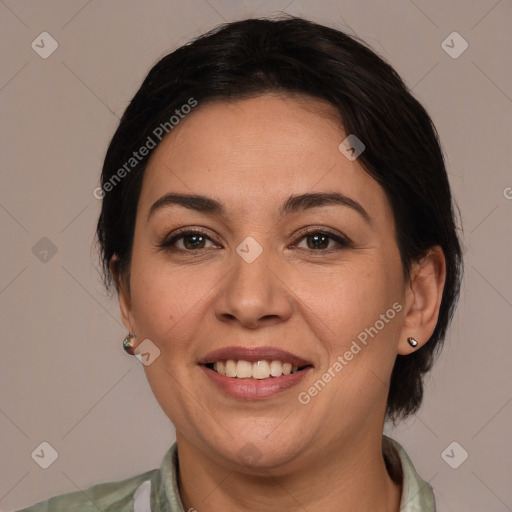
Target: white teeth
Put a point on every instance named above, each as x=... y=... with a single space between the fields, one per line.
x=260 y=370
x=230 y=368
x=220 y=367
x=276 y=368
x=243 y=369
x=263 y=369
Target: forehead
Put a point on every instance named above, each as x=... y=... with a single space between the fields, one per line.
x=255 y=152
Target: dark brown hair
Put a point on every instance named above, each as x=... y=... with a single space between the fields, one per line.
x=288 y=54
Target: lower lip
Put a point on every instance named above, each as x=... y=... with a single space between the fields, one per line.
x=255 y=389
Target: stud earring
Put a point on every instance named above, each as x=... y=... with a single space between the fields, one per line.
x=412 y=342
x=128 y=343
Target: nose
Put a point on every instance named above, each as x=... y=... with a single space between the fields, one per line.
x=254 y=293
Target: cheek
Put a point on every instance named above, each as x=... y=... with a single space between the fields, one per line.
x=359 y=323
x=363 y=318
x=354 y=296
x=167 y=299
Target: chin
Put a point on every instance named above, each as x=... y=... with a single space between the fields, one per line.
x=259 y=452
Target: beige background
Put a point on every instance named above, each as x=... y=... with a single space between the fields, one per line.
x=64 y=377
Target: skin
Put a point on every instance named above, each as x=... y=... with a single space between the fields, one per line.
x=251 y=155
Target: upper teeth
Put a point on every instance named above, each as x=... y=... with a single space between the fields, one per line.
x=259 y=370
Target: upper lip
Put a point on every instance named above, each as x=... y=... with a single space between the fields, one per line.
x=253 y=354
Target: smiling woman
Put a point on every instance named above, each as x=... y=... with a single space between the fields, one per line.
x=287 y=264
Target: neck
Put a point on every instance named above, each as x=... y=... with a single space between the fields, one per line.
x=351 y=478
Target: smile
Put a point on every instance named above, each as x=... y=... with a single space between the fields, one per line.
x=263 y=369
x=254 y=373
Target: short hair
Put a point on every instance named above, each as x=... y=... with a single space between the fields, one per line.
x=248 y=58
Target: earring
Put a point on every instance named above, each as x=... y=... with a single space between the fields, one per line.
x=128 y=343
x=412 y=342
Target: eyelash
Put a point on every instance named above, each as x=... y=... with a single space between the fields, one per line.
x=168 y=244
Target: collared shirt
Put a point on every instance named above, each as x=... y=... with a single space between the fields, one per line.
x=157 y=490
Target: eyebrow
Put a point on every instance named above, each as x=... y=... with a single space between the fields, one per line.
x=293 y=204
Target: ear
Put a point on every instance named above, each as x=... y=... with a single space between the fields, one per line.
x=423 y=299
x=123 y=293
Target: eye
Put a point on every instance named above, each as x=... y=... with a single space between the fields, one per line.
x=318 y=241
x=192 y=240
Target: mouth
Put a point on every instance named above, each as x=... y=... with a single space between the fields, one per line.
x=254 y=374
x=259 y=363
x=260 y=370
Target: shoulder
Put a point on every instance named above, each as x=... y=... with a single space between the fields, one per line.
x=107 y=497
x=417 y=494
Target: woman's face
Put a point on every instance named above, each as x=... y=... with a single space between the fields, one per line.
x=255 y=280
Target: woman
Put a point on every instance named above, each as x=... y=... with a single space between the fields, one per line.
x=278 y=224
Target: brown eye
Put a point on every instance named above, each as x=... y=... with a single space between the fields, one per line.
x=195 y=240
x=318 y=241
x=191 y=241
